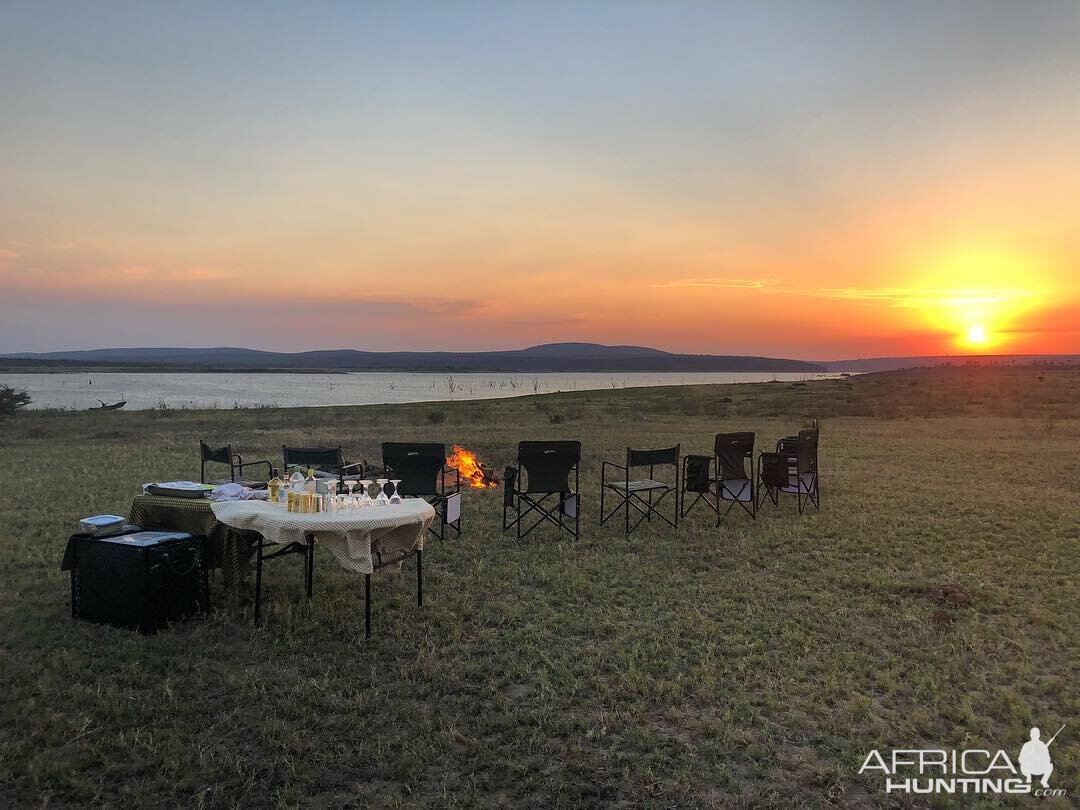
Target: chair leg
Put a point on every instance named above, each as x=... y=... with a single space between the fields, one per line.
x=420 y=577
x=367 y=605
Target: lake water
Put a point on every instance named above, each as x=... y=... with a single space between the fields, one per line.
x=246 y=390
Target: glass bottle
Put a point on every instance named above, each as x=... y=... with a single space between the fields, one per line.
x=310 y=485
x=296 y=480
x=273 y=487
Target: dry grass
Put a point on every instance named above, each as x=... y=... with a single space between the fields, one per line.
x=931 y=601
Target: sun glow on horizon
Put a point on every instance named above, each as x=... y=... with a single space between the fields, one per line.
x=977 y=295
x=976 y=335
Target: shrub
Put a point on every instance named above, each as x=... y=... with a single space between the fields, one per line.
x=12 y=400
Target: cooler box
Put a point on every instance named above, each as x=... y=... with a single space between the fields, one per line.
x=141 y=580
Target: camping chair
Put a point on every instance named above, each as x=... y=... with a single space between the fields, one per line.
x=731 y=483
x=225 y=455
x=327 y=462
x=640 y=492
x=421 y=466
x=543 y=471
x=792 y=469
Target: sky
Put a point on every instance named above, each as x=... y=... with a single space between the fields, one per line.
x=817 y=180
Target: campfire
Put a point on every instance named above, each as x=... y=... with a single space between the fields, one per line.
x=473 y=473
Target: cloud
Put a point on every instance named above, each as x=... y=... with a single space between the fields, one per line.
x=908 y=297
x=725 y=283
x=6 y=255
x=925 y=297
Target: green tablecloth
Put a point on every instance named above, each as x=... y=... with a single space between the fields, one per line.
x=226 y=548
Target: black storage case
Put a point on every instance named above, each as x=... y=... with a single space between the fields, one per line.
x=137 y=579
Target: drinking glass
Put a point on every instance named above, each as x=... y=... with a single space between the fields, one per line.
x=381 y=499
x=396 y=497
x=365 y=497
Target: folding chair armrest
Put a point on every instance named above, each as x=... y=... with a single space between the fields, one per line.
x=456 y=485
x=605 y=465
x=513 y=474
x=358 y=465
x=241 y=464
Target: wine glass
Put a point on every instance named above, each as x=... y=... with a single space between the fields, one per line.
x=365 y=496
x=381 y=499
x=396 y=497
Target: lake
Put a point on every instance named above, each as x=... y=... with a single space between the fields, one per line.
x=79 y=391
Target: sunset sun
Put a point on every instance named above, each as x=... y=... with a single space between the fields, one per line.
x=976 y=335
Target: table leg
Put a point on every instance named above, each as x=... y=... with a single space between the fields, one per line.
x=258 y=580
x=419 y=577
x=309 y=564
x=367 y=605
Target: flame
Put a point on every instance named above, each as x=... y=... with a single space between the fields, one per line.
x=472 y=472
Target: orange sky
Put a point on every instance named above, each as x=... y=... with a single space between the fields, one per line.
x=847 y=183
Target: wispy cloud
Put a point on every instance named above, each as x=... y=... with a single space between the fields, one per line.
x=725 y=283
x=925 y=297
x=916 y=297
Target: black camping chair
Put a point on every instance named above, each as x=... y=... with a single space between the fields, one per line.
x=543 y=470
x=226 y=455
x=640 y=492
x=791 y=470
x=732 y=483
x=326 y=461
x=421 y=466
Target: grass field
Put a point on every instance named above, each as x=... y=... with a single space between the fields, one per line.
x=932 y=602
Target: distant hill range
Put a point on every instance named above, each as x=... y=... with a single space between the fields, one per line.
x=556 y=357
x=565 y=357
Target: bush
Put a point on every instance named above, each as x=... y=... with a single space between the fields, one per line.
x=12 y=400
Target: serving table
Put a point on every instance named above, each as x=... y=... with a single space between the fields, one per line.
x=361 y=540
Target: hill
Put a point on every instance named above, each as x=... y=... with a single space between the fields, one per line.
x=557 y=357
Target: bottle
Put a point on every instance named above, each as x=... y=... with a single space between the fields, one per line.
x=273 y=487
x=310 y=485
x=296 y=480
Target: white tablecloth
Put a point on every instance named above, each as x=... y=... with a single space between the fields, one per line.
x=355 y=537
